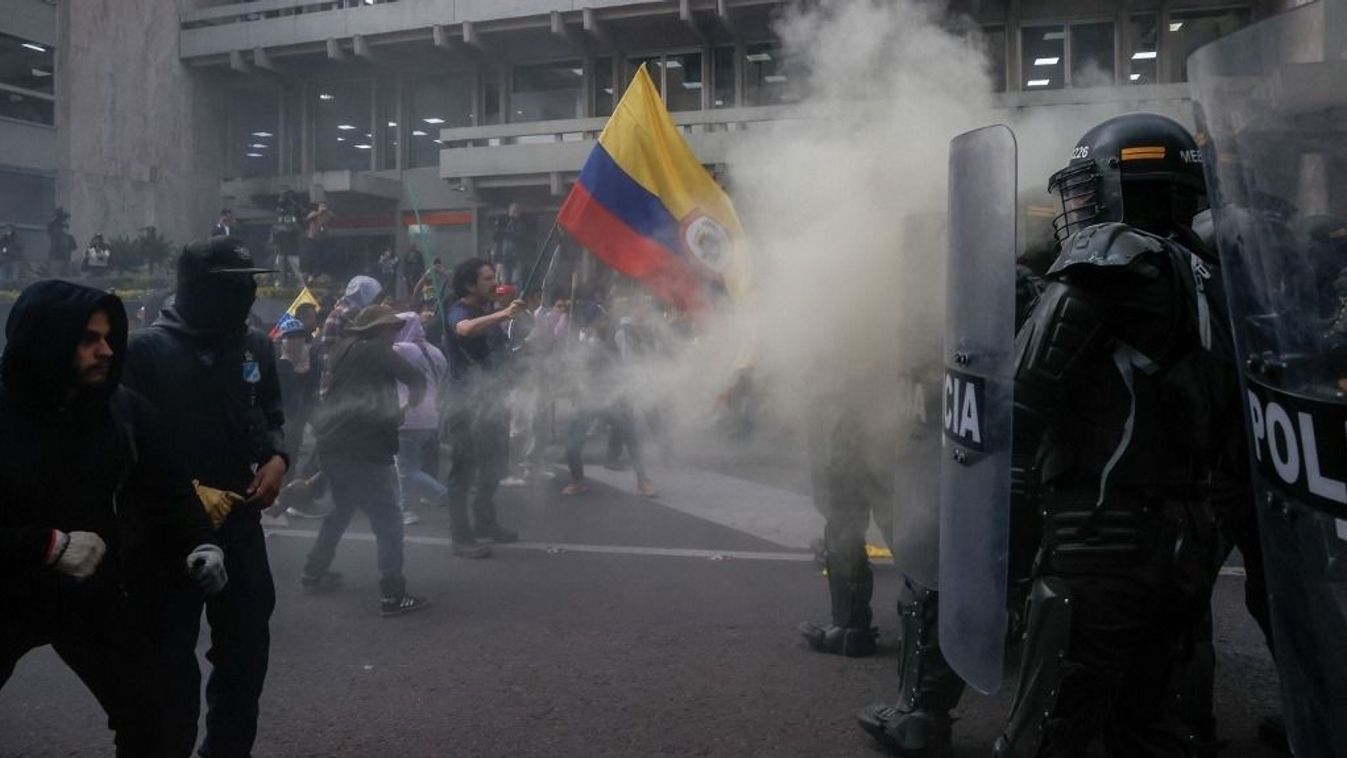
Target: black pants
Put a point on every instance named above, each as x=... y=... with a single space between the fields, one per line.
x=481 y=441
x=240 y=643
x=98 y=637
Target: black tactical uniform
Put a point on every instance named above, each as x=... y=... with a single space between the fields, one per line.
x=1123 y=399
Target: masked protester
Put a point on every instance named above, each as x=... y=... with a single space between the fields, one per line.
x=86 y=495
x=215 y=381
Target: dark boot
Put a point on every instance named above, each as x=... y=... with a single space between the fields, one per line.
x=911 y=733
x=853 y=643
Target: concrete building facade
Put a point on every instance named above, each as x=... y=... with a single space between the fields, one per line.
x=423 y=119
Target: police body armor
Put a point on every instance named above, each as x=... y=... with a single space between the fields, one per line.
x=1269 y=101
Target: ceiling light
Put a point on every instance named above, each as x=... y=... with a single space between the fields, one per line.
x=341 y=139
x=433 y=120
x=774 y=78
x=692 y=85
x=759 y=57
x=607 y=90
x=439 y=142
x=255 y=155
x=1053 y=61
x=1135 y=77
x=418 y=133
x=578 y=71
x=392 y=124
x=364 y=147
x=258 y=146
x=1144 y=55
x=326 y=96
x=518 y=113
x=1054 y=36
x=40 y=72
x=1174 y=26
x=35 y=48
x=1037 y=82
x=261 y=134
x=346 y=127
x=673 y=63
x=719 y=103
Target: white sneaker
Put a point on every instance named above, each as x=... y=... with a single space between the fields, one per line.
x=409 y=518
x=513 y=481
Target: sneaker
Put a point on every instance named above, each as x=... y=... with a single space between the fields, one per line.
x=575 y=488
x=497 y=534
x=317 y=585
x=513 y=481
x=409 y=518
x=646 y=488
x=469 y=550
x=404 y=603
x=294 y=512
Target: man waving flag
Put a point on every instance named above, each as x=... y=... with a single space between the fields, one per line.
x=648 y=208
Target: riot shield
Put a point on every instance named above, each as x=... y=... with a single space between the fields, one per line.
x=1271 y=101
x=916 y=503
x=977 y=404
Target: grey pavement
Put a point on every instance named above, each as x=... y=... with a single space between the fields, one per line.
x=621 y=626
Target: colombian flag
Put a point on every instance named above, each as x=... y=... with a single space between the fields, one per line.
x=647 y=207
x=305 y=297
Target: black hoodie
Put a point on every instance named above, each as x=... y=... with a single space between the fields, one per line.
x=91 y=462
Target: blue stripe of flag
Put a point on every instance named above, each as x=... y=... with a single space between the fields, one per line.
x=633 y=204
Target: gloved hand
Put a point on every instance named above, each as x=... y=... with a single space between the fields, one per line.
x=218 y=503
x=205 y=566
x=78 y=554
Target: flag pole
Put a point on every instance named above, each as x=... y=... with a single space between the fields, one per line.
x=538 y=262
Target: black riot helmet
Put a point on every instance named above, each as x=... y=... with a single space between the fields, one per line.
x=1141 y=169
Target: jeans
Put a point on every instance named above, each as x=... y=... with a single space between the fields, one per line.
x=623 y=433
x=412 y=445
x=481 y=440
x=372 y=488
x=240 y=645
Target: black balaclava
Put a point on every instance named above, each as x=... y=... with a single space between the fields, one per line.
x=215 y=303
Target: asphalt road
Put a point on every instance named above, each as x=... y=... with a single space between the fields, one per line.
x=620 y=627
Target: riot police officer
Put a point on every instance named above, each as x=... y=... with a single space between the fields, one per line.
x=1123 y=398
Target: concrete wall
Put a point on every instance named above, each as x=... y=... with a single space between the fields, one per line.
x=142 y=136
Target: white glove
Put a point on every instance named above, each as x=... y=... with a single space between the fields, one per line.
x=78 y=554
x=205 y=566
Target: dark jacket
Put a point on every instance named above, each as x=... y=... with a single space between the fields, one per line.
x=96 y=462
x=360 y=414
x=221 y=394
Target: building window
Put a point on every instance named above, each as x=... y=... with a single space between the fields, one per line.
x=1141 y=48
x=27 y=80
x=767 y=76
x=343 y=135
x=434 y=104
x=26 y=199
x=652 y=67
x=1043 y=57
x=389 y=125
x=1189 y=30
x=677 y=77
x=1092 y=55
x=722 y=75
x=994 y=38
x=547 y=92
x=604 y=94
x=255 y=132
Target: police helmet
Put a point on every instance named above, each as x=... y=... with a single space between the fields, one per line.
x=1143 y=157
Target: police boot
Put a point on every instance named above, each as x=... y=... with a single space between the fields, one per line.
x=916 y=733
x=853 y=642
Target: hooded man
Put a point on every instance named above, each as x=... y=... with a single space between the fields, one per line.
x=87 y=496
x=361 y=292
x=215 y=381
x=357 y=428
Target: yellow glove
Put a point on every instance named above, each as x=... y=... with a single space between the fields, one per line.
x=217 y=503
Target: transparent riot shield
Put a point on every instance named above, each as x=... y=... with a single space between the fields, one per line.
x=1271 y=105
x=976 y=404
x=916 y=504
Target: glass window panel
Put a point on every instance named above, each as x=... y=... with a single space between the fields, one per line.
x=23 y=107
x=294 y=133
x=255 y=132
x=1141 y=47
x=683 y=80
x=27 y=64
x=444 y=102
x=767 y=77
x=26 y=199
x=342 y=125
x=995 y=40
x=652 y=67
x=1189 y=30
x=1042 y=49
x=1092 y=55
x=604 y=95
x=547 y=91
x=389 y=126
x=723 y=74
x=490 y=98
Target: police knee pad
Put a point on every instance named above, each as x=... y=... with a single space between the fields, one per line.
x=1046 y=639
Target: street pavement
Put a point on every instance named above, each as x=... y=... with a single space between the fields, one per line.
x=619 y=626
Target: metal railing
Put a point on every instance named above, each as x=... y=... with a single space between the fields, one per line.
x=260 y=10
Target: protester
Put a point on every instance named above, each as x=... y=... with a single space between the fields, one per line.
x=87 y=495
x=316 y=223
x=298 y=373
x=361 y=292
x=97 y=256
x=388 y=270
x=357 y=439
x=413 y=268
x=61 y=245
x=285 y=234
x=216 y=384
x=11 y=253
x=478 y=420
x=419 y=432
x=226 y=226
